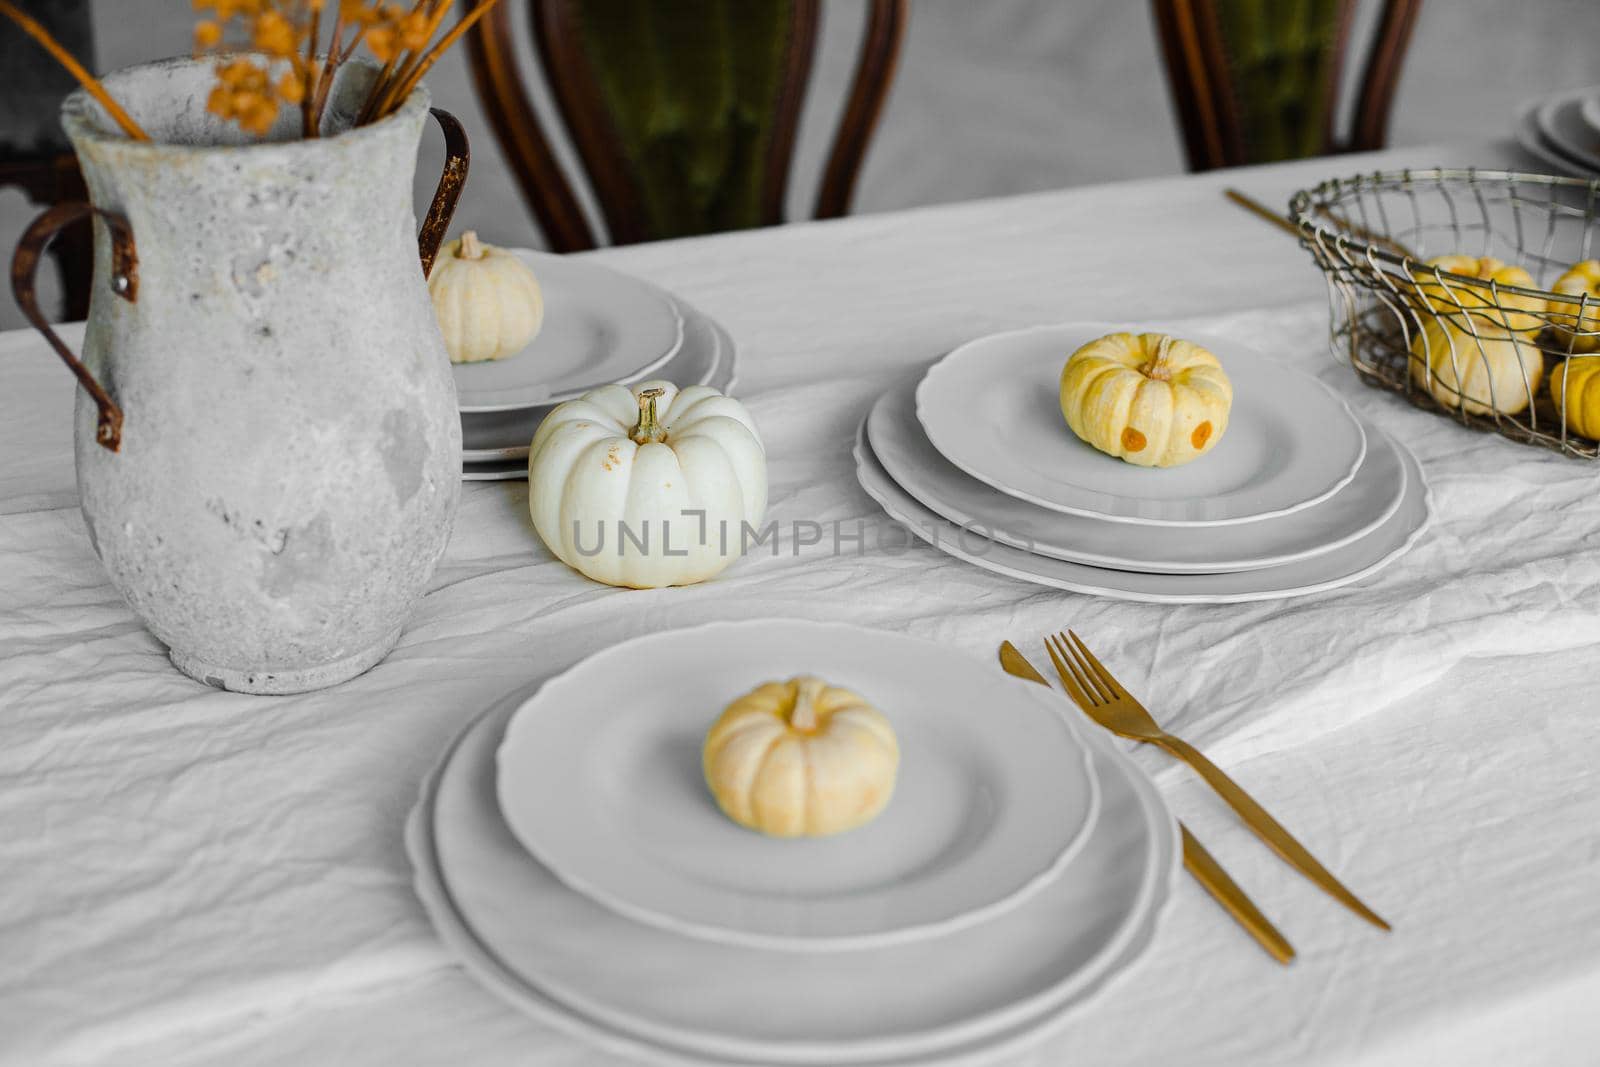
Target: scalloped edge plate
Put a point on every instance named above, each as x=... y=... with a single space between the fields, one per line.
x=1023 y=1026
x=1361 y=559
x=991 y=407
x=589 y=782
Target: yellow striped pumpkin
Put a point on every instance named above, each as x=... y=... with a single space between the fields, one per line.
x=1581 y=279
x=1483 y=299
x=1150 y=399
x=1576 y=384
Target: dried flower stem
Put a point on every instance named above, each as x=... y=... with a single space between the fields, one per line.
x=246 y=95
x=396 y=91
x=90 y=83
x=371 y=110
x=466 y=23
x=394 y=69
x=374 y=93
x=336 y=58
x=308 y=98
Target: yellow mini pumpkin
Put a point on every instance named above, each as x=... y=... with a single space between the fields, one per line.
x=1151 y=399
x=1581 y=279
x=1484 y=298
x=1576 y=384
x=487 y=301
x=801 y=759
x=1479 y=370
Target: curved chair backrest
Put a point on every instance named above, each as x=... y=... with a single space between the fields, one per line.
x=684 y=113
x=1258 y=80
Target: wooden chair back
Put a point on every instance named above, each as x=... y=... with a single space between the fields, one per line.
x=1255 y=81
x=683 y=113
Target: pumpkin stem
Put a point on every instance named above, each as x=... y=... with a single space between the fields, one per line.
x=808 y=691
x=648 y=431
x=471 y=247
x=1158 y=368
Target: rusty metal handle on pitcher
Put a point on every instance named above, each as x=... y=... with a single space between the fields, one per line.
x=458 y=159
x=124 y=283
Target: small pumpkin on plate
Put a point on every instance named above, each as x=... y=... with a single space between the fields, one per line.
x=1479 y=369
x=1483 y=298
x=1580 y=280
x=1151 y=399
x=1575 y=388
x=801 y=758
x=487 y=301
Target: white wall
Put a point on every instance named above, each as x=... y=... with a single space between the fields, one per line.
x=1004 y=96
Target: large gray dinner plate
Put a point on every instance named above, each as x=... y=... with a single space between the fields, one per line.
x=633 y=990
x=600 y=326
x=1367 y=502
x=1360 y=559
x=600 y=778
x=992 y=408
x=708 y=358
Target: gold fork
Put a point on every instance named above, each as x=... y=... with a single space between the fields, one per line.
x=1196 y=860
x=1097 y=692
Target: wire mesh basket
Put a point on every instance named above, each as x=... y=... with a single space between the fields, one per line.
x=1475 y=294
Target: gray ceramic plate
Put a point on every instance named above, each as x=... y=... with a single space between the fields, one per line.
x=600 y=326
x=1532 y=141
x=708 y=358
x=975 y=998
x=1351 y=513
x=1561 y=119
x=1360 y=559
x=992 y=408
x=606 y=790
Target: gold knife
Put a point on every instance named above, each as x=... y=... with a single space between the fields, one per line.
x=1196 y=860
x=1256 y=207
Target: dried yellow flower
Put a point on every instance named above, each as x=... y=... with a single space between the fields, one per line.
x=359 y=12
x=207 y=35
x=275 y=35
x=399 y=34
x=289 y=32
x=291 y=90
x=245 y=95
x=384 y=42
x=227 y=9
x=414 y=31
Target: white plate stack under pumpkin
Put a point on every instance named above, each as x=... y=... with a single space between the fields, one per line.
x=530 y=330
x=1142 y=462
x=862 y=876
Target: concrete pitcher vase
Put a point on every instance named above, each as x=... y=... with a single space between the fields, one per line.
x=268 y=449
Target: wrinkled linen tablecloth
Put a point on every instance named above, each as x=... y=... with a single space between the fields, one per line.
x=192 y=876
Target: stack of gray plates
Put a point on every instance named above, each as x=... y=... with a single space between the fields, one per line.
x=973 y=456
x=570 y=856
x=1561 y=131
x=600 y=326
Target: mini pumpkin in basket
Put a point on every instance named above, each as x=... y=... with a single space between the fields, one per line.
x=1475 y=348
x=1470 y=334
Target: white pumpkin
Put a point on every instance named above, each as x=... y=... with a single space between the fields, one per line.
x=646 y=486
x=487 y=301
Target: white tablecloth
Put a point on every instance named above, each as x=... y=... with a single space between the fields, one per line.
x=191 y=876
